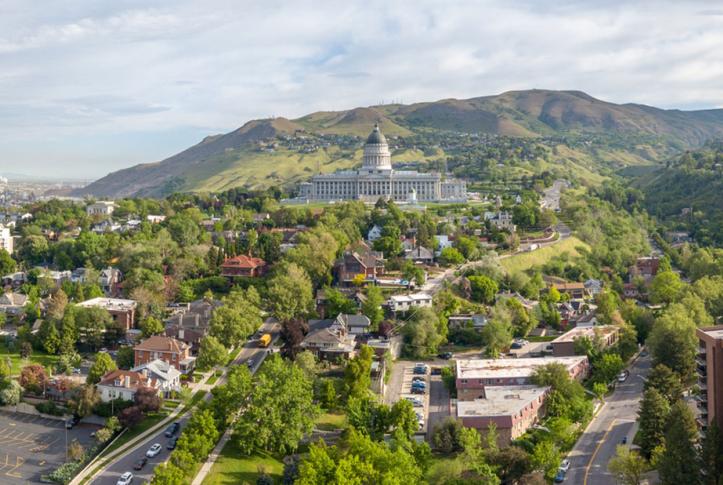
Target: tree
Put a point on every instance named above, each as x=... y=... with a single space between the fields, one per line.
x=404 y=418
x=151 y=326
x=75 y=450
x=546 y=457
x=7 y=263
x=678 y=462
x=337 y=302
x=627 y=466
x=57 y=304
x=372 y=307
x=125 y=357
x=511 y=463
x=666 y=382
x=130 y=417
x=10 y=395
x=445 y=436
x=167 y=474
x=357 y=373
x=653 y=415
x=49 y=336
x=101 y=366
x=147 y=399
x=607 y=367
x=26 y=349
x=450 y=256
x=423 y=333
x=84 y=400
x=211 y=353
x=280 y=411
x=484 y=289
x=497 y=334
x=665 y=287
x=290 y=292
x=600 y=389
x=673 y=342
x=307 y=363
x=34 y=379
x=229 y=397
x=711 y=455
x=91 y=324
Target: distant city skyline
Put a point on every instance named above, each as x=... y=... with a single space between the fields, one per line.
x=87 y=88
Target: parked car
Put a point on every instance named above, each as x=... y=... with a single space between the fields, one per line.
x=420 y=368
x=436 y=371
x=565 y=465
x=625 y=440
x=172 y=429
x=421 y=384
x=171 y=445
x=125 y=479
x=416 y=402
x=140 y=463
x=516 y=345
x=417 y=379
x=72 y=422
x=419 y=390
x=622 y=376
x=250 y=363
x=153 y=450
x=445 y=355
x=560 y=477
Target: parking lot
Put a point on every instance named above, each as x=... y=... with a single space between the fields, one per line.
x=32 y=445
x=435 y=400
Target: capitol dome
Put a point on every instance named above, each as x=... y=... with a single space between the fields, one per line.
x=376 y=137
x=376 y=152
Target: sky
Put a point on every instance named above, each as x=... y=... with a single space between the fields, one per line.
x=89 y=87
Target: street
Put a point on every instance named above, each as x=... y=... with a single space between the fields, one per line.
x=111 y=473
x=592 y=452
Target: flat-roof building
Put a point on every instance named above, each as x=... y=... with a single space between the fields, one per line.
x=564 y=345
x=710 y=374
x=123 y=311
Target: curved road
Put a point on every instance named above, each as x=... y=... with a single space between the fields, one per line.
x=111 y=473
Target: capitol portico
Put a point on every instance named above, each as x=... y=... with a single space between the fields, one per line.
x=377 y=179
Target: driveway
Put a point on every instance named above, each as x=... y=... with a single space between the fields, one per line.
x=597 y=445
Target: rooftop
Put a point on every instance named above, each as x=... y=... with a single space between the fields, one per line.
x=159 y=343
x=410 y=298
x=713 y=332
x=578 y=332
x=109 y=303
x=498 y=368
x=500 y=401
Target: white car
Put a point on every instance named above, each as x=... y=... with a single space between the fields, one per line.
x=416 y=402
x=622 y=376
x=153 y=450
x=565 y=465
x=125 y=479
x=420 y=420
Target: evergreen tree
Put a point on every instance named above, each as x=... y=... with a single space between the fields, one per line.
x=678 y=463
x=653 y=413
x=711 y=455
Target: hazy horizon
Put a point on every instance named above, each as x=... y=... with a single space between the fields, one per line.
x=87 y=89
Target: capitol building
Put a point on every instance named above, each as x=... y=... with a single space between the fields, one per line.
x=377 y=179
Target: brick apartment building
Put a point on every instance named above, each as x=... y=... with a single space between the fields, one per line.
x=564 y=345
x=122 y=311
x=167 y=349
x=709 y=363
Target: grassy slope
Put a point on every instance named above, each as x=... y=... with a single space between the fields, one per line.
x=46 y=360
x=233 y=467
x=525 y=261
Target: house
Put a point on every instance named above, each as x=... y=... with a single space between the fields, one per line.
x=501 y=220
x=474 y=376
x=190 y=323
x=443 y=241
x=155 y=219
x=356 y=324
x=100 y=208
x=166 y=377
x=56 y=278
x=564 y=345
x=123 y=311
x=243 y=265
x=329 y=340
x=6 y=239
x=123 y=384
x=420 y=254
x=528 y=304
x=359 y=259
x=403 y=303
x=106 y=226
x=476 y=322
x=14 y=280
x=511 y=409
x=593 y=286
x=586 y=320
x=374 y=233
x=630 y=290
x=109 y=280
x=168 y=349
x=13 y=303
x=574 y=290
x=646 y=267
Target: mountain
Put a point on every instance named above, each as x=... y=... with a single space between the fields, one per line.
x=280 y=151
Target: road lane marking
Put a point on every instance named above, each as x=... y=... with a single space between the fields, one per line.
x=597 y=448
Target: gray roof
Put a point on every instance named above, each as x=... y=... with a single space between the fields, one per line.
x=354 y=320
x=376 y=137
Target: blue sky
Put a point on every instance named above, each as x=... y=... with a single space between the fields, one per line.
x=89 y=87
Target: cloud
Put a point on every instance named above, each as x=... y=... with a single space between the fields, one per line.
x=88 y=71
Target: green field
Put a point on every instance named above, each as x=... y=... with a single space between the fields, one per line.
x=330 y=421
x=16 y=363
x=525 y=261
x=233 y=467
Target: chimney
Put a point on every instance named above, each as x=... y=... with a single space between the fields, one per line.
x=127 y=381
x=180 y=333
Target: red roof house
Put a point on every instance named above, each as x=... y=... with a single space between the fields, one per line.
x=243 y=266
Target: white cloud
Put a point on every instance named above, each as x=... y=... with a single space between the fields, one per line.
x=80 y=71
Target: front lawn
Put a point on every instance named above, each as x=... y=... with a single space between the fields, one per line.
x=232 y=467
x=330 y=421
x=46 y=360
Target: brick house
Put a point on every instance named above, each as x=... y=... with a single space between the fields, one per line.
x=243 y=266
x=190 y=323
x=575 y=290
x=359 y=259
x=564 y=345
x=167 y=349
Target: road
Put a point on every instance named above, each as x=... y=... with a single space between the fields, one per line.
x=111 y=473
x=551 y=196
x=592 y=452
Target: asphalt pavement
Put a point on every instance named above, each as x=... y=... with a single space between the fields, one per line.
x=111 y=473
x=615 y=421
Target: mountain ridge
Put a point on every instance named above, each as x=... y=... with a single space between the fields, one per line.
x=524 y=113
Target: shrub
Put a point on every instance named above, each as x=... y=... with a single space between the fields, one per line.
x=108 y=409
x=49 y=407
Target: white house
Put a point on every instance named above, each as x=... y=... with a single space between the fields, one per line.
x=593 y=286
x=403 y=303
x=6 y=239
x=100 y=208
x=123 y=384
x=374 y=233
x=442 y=242
x=167 y=377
